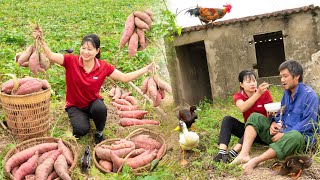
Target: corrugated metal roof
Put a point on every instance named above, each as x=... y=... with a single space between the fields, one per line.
x=251 y=18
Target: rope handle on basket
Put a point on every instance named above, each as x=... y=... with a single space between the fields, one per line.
x=124 y=161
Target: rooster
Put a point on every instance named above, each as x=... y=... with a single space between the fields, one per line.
x=209 y=15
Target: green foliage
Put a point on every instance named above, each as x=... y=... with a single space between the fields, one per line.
x=64 y=24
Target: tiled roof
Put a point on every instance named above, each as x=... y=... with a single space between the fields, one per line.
x=251 y=18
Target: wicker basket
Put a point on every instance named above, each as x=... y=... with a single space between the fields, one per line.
x=95 y=159
x=27 y=116
x=35 y=141
x=152 y=134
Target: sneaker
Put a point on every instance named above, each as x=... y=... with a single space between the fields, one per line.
x=98 y=138
x=225 y=158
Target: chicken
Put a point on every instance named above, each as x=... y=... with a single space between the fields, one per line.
x=188 y=115
x=209 y=15
x=293 y=165
x=188 y=140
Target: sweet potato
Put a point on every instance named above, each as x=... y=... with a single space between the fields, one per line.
x=132 y=100
x=146 y=142
x=150 y=13
x=53 y=175
x=44 y=156
x=30 y=177
x=144 y=86
x=128 y=30
x=8 y=85
x=139 y=114
x=29 y=87
x=122 y=144
x=161 y=150
x=133 y=44
x=45 y=84
x=24 y=57
x=16 y=57
x=14 y=170
x=44 y=61
x=122 y=102
x=116 y=162
x=112 y=91
x=140 y=23
x=34 y=64
x=117 y=93
x=124 y=107
x=162 y=84
x=152 y=88
x=24 y=155
x=142 y=38
x=61 y=167
x=106 y=165
x=162 y=93
x=142 y=47
x=131 y=122
x=125 y=95
x=43 y=170
x=136 y=152
x=158 y=100
x=25 y=64
x=144 y=17
x=65 y=151
x=142 y=160
x=103 y=153
x=27 y=168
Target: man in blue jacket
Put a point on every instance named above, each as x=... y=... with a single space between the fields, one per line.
x=286 y=133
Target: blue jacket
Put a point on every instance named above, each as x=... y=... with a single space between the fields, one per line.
x=300 y=114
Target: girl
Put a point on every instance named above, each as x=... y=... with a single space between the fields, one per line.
x=85 y=75
x=248 y=100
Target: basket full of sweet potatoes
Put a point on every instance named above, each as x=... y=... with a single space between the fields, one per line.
x=139 y=150
x=41 y=158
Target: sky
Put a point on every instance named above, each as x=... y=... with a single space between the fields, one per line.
x=240 y=8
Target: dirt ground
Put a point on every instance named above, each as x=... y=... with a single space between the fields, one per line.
x=263 y=171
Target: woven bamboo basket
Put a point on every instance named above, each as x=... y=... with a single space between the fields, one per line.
x=27 y=116
x=35 y=141
x=152 y=134
x=96 y=159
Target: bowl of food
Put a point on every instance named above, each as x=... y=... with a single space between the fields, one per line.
x=273 y=107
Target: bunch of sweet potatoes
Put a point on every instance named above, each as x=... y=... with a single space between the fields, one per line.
x=128 y=111
x=155 y=88
x=42 y=161
x=136 y=24
x=24 y=86
x=131 y=152
x=33 y=58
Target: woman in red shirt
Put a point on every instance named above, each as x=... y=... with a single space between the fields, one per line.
x=85 y=75
x=249 y=99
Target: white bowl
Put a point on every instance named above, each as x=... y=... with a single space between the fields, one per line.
x=273 y=107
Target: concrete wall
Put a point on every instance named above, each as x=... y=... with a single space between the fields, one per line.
x=228 y=50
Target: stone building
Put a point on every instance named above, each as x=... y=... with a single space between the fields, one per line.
x=204 y=61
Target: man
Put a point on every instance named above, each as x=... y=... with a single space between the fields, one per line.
x=299 y=120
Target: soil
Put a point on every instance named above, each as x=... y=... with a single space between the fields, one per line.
x=263 y=171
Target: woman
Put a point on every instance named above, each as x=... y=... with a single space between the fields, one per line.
x=85 y=75
x=248 y=100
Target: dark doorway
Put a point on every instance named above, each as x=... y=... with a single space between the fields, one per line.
x=194 y=72
x=269 y=53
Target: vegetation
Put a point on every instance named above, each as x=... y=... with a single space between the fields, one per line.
x=64 y=24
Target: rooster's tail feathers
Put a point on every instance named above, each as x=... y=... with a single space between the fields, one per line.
x=194 y=11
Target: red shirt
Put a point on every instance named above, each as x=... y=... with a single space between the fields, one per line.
x=82 y=88
x=257 y=107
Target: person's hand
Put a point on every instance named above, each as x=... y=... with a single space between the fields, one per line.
x=274 y=128
x=37 y=32
x=262 y=88
x=276 y=137
x=151 y=67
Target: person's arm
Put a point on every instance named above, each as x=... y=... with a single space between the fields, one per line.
x=120 y=76
x=309 y=118
x=54 y=57
x=244 y=106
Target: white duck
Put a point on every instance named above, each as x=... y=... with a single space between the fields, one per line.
x=188 y=140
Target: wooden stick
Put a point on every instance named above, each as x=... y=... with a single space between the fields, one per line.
x=158 y=109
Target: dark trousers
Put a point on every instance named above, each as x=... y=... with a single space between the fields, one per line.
x=79 y=118
x=232 y=126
